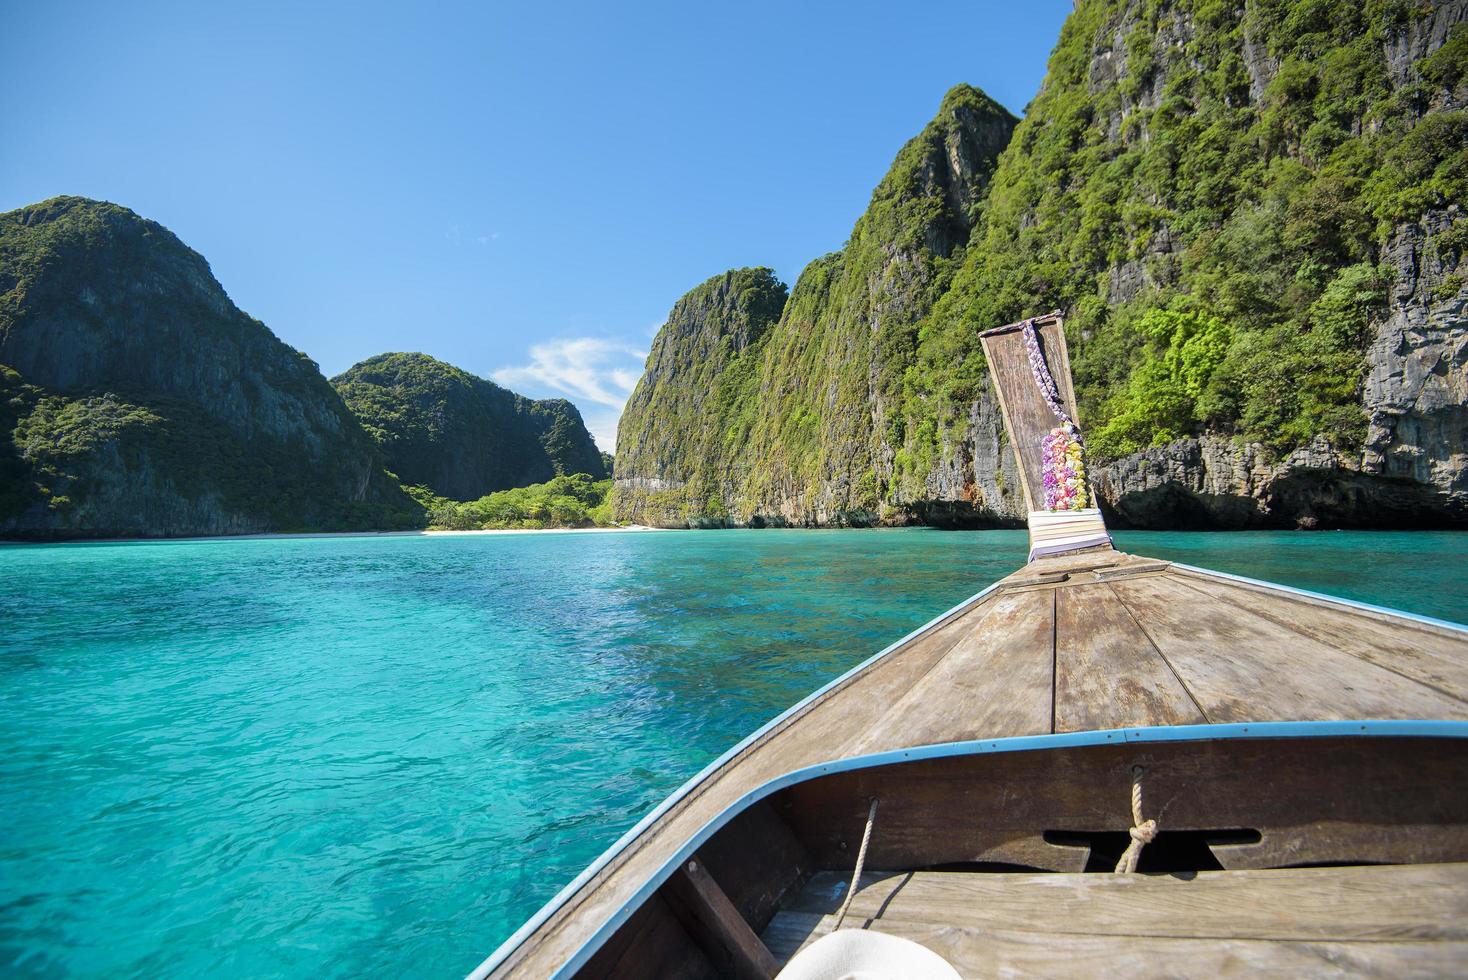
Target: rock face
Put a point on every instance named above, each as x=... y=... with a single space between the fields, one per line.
x=1413 y=468
x=675 y=425
x=462 y=436
x=1416 y=386
x=758 y=409
x=1253 y=220
x=139 y=401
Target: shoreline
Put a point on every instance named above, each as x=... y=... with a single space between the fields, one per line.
x=516 y=530
x=291 y=535
x=639 y=528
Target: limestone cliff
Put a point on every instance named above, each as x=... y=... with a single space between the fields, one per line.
x=1252 y=218
x=462 y=436
x=758 y=409
x=681 y=425
x=137 y=400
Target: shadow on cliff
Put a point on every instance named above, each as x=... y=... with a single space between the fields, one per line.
x=1321 y=500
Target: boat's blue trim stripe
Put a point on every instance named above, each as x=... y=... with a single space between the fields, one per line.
x=1332 y=599
x=1023 y=743
x=547 y=910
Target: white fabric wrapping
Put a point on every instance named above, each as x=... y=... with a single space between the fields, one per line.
x=1053 y=532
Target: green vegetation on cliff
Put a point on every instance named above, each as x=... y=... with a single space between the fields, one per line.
x=566 y=501
x=1209 y=192
x=462 y=436
x=1209 y=206
x=137 y=400
x=850 y=330
x=691 y=411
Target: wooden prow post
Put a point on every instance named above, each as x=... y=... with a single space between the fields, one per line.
x=1028 y=419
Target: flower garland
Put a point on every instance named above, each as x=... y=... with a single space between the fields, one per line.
x=1060 y=451
x=1065 y=471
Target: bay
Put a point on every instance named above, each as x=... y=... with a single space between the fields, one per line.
x=375 y=756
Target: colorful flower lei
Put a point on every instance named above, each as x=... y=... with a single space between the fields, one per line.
x=1065 y=470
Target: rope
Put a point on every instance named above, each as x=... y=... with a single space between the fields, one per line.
x=1143 y=831
x=861 y=859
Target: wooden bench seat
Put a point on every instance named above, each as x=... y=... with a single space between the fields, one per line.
x=1397 y=920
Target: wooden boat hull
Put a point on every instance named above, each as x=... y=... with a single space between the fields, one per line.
x=787 y=805
x=1231 y=797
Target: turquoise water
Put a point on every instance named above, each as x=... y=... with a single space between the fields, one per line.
x=376 y=756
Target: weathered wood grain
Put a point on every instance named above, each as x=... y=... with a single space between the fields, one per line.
x=1085 y=567
x=1455 y=634
x=994 y=682
x=1240 y=666
x=652 y=943
x=823 y=731
x=1107 y=672
x=1241 y=656
x=757 y=888
x=1312 y=801
x=1027 y=417
x=717 y=925
x=1432 y=656
x=1373 y=903
x=981 y=953
x=1074 y=562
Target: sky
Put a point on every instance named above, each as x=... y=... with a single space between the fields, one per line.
x=523 y=190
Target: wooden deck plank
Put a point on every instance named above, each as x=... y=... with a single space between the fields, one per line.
x=1431 y=656
x=1455 y=634
x=988 y=953
x=1107 y=672
x=1075 y=562
x=1088 y=566
x=1368 y=903
x=1240 y=666
x=994 y=682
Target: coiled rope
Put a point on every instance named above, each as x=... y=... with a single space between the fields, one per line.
x=1143 y=832
x=861 y=859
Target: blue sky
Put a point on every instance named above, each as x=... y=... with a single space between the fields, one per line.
x=522 y=190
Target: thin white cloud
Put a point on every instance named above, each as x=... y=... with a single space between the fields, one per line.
x=586 y=369
x=602 y=424
x=456 y=234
